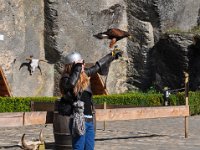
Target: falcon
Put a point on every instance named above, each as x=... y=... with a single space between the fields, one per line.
x=114 y=34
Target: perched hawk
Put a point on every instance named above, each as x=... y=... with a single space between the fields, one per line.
x=114 y=34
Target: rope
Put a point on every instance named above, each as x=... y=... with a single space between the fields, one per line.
x=176 y=90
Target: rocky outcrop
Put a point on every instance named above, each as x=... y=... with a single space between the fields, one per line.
x=178 y=14
x=50 y=29
x=73 y=28
x=22 y=24
x=146 y=59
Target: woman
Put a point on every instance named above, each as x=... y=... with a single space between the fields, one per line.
x=76 y=101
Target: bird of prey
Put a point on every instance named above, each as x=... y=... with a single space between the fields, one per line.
x=114 y=34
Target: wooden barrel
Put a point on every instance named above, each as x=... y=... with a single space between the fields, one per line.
x=62 y=137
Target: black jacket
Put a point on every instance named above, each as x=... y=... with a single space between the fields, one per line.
x=68 y=82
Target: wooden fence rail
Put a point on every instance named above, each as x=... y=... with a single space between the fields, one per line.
x=124 y=112
x=42 y=113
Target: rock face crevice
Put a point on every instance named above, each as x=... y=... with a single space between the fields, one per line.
x=169 y=60
x=51 y=31
x=194 y=63
x=144 y=25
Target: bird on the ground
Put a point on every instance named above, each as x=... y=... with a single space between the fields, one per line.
x=114 y=34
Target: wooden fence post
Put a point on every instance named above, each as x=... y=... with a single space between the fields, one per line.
x=186 y=101
x=32 y=105
x=23 y=118
x=104 y=123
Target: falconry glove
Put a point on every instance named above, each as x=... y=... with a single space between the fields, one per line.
x=116 y=53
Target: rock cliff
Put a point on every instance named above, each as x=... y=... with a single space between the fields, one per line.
x=49 y=29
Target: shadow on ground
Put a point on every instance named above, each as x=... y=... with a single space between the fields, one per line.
x=9 y=147
x=49 y=145
x=129 y=137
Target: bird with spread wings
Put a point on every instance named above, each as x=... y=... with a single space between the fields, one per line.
x=114 y=34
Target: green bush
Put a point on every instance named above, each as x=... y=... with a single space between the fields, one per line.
x=177 y=99
x=20 y=104
x=137 y=99
x=194 y=103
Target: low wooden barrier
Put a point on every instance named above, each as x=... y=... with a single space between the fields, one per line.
x=24 y=118
x=11 y=119
x=141 y=113
x=123 y=112
x=42 y=113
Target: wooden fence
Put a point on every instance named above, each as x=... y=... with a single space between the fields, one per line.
x=42 y=113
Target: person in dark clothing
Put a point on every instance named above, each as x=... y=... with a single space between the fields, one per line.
x=166 y=94
x=76 y=100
